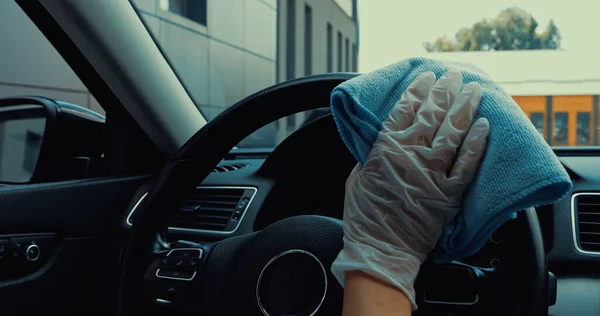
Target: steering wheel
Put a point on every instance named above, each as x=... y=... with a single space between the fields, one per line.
x=284 y=268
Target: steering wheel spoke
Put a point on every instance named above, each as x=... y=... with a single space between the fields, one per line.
x=174 y=277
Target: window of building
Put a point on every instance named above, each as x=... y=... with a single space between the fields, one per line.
x=194 y=10
x=175 y=6
x=354 y=58
x=291 y=40
x=583 y=128
x=33 y=141
x=329 y=48
x=347 y=54
x=560 y=134
x=339 y=48
x=537 y=119
x=307 y=40
x=291 y=122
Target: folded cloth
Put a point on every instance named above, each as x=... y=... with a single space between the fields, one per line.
x=519 y=169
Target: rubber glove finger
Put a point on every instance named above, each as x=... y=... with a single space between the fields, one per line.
x=403 y=114
x=434 y=109
x=470 y=154
x=457 y=122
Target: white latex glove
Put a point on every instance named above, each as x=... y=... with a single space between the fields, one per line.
x=413 y=180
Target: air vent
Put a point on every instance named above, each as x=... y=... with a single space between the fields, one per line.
x=587 y=210
x=227 y=168
x=218 y=209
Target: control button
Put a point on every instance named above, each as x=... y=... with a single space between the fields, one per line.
x=186 y=253
x=32 y=252
x=495 y=262
x=20 y=247
x=190 y=264
x=166 y=291
x=167 y=263
x=176 y=275
x=15 y=248
x=3 y=249
x=239 y=209
x=236 y=215
x=178 y=263
x=243 y=203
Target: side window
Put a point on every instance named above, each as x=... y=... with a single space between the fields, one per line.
x=572 y=120
x=329 y=47
x=347 y=55
x=291 y=122
x=339 y=49
x=583 y=128
x=194 y=10
x=354 y=58
x=30 y=67
x=291 y=40
x=34 y=67
x=538 y=121
x=560 y=134
x=308 y=38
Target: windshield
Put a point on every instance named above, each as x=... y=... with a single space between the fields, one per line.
x=225 y=50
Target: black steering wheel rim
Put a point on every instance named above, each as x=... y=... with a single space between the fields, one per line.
x=193 y=163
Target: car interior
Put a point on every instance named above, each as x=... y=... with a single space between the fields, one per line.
x=153 y=210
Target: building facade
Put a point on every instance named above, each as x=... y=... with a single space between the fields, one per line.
x=314 y=37
x=222 y=50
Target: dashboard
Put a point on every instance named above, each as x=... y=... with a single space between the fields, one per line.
x=306 y=174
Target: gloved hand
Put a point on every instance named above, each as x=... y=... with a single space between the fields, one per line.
x=413 y=181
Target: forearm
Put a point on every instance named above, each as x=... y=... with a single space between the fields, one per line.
x=364 y=295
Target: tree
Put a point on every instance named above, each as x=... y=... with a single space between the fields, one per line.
x=512 y=29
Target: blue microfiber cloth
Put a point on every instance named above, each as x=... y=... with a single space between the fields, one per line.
x=519 y=169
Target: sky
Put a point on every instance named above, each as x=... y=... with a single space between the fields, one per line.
x=391 y=30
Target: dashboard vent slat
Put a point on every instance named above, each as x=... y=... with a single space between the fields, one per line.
x=213 y=208
x=586 y=208
x=231 y=167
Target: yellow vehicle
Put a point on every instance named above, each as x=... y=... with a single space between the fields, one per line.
x=573 y=120
x=563 y=109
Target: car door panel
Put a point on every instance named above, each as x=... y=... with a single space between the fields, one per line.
x=80 y=208
x=75 y=224
x=67 y=284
